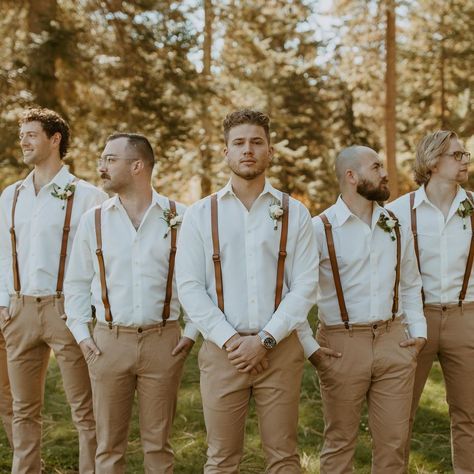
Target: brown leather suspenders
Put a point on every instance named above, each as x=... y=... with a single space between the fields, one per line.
x=103 y=281
x=169 y=279
x=470 y=257
x=282 y=251
x=217 y=258
x=64 y=241
x=397 y=268
x=16 y=273
x=100 y=260
x=337 y=277
x=216 y=255
x=335 y=270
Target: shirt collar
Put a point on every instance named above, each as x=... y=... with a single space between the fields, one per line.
x=343 y=213
x=61 y=179
x=267 y=189
x=156 y=199
x=420 y=197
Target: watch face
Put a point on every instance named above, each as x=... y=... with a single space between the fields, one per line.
x=269 y=342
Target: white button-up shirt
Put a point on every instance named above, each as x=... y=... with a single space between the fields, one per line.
x=367 y=258
x=39 y=221
x=136 y=268
x=443 y=245
x=249 y=247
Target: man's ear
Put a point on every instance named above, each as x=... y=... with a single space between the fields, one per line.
x=56 y=139
x=351 y=176
x=137 y=166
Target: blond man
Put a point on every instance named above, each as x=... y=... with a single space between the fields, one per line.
x=440 y=216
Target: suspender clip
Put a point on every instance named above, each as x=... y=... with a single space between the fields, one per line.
x=282 y=253
x=110 y=325
x=216 y=257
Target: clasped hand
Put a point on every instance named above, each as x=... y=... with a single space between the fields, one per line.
x=247 y=354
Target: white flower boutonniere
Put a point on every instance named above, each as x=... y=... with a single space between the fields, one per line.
x=464 y=210
x=63 y=194
x=388 y=225
x=172 y=219
x=276 y=212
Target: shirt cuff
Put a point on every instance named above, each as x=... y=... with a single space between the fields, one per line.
x=191 y=331
x=278 y=330
x=417 y=329
x=309 y=343
x=80 y=331
x=4 y=299
x=222 y=333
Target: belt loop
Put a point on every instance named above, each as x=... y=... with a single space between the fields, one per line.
x=462 y=307
x=160 y=330
x=116 y=331
x=351 y=331
x=389 y=325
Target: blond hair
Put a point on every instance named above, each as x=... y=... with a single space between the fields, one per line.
x=428 y=152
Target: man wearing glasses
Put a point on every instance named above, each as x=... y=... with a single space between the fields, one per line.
x=440 y=214
x=122 y=262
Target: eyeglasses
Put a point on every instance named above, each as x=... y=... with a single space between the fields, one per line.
x=459 y=155
x=110 y=160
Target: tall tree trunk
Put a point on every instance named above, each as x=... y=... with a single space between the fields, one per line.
x=206 y=154
x=390 y=98
x=442 y=66
x=42 y=58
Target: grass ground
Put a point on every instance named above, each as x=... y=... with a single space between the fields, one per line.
x=430 y=447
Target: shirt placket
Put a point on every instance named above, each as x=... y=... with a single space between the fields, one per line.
x=374 y=276
x=35 y=250
x=443 y=252
x=136 y=279
x=251 y=266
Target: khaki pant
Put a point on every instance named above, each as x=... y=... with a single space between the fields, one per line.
x=451 y=340
x=135 y=359
x=35 y=328
x=375 y=368
x=226 y=394
x=6 y=413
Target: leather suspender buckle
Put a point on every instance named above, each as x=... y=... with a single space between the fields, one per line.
x=282 y=253
x=216 y=257
x=98 y=252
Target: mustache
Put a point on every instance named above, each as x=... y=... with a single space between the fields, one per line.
x=104 y=176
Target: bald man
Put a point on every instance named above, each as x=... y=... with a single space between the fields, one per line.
x=368 y=345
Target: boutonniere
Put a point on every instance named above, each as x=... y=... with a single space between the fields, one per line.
x=388 y=225
x=172 y=219
x=63 y=194
x=465 y=209
x=275 y=211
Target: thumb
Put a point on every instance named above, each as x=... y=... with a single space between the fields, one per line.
x=234 y=345
x=331 y=352
x=408 y=342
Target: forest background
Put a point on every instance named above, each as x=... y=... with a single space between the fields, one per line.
x=329 y=73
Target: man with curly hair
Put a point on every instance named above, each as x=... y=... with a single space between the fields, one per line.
x=38 y=219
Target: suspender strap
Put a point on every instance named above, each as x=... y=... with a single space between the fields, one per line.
x=169 y=280
x=470 y=258
x=100 y=259
x=216 y=257
x=16 y=273
x=397 y=268
x=282 y=251
x=335 y=270
x=63 y=254
x=415 y=237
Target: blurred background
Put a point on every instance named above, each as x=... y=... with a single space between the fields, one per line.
x=329 y=74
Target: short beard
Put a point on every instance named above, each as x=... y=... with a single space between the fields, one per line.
x=250 y=174
x=370 y=192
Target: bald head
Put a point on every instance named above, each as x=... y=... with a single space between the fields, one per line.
x=351 y=158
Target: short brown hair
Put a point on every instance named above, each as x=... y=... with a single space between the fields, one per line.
x=139 y=144
x=52 y=123
x=244 y=116
x=428 y=152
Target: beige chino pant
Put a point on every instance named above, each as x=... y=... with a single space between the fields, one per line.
x=6 y=410
x=451 y=340
x=35 y=328
x=373 y=368
x=226 y=394
x=135 y=359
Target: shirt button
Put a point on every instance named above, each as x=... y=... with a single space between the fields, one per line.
x=444 y=308
x=140 y=330
x=38 y=300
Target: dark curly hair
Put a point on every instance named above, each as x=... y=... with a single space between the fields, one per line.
x=244 y=116
x=51 y=123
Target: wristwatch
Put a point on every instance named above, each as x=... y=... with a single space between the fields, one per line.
x=267 y=340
